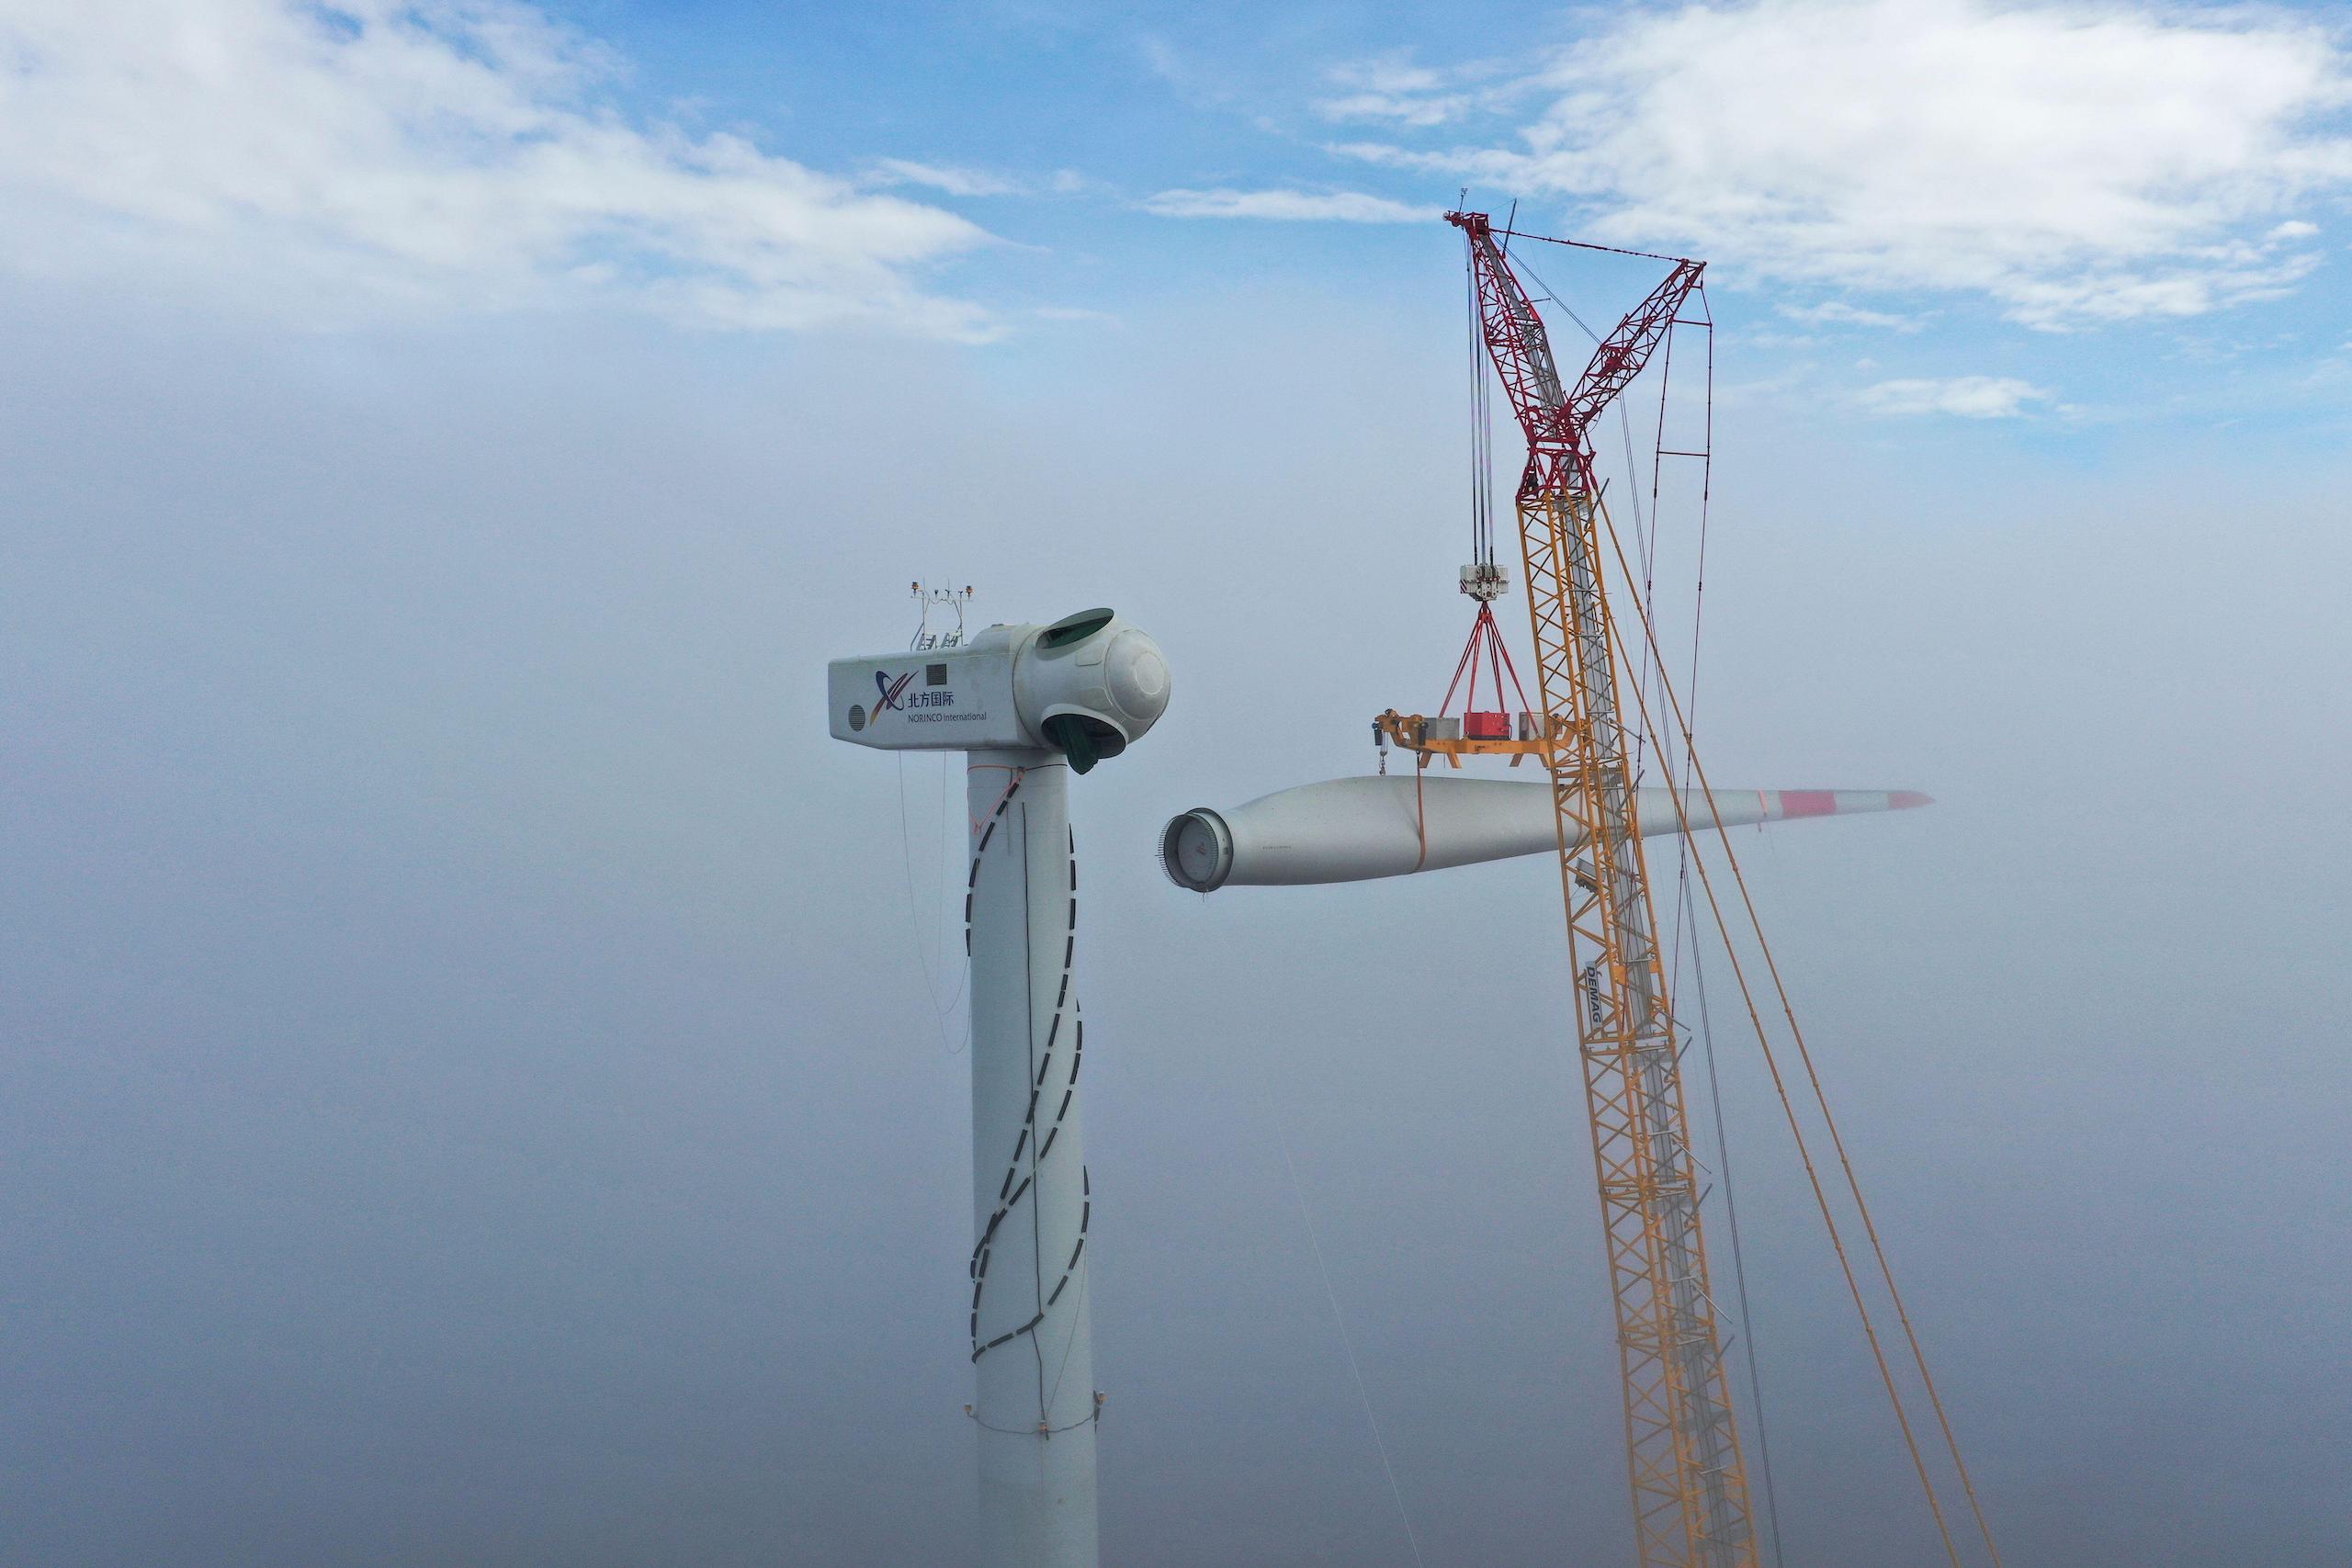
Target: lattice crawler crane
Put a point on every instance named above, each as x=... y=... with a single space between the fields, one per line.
x=1690 y=1486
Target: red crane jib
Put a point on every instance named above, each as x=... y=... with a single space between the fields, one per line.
x=1556 y=420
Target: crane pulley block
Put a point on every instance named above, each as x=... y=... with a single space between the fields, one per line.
x=1484 y=581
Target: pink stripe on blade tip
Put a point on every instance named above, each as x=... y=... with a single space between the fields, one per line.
x=1796 y=803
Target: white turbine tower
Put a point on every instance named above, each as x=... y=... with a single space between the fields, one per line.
x=1028 y=704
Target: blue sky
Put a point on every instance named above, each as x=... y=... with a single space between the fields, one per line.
x=1135 y=102
x=1125 y=103
x=2059 y=217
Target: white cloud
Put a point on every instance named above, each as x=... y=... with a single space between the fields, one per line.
x=1346 y=206
x=2074 y=161
x=1391 y=87
x=1838 y=313
x=956 y=180
x=345 y=158
x=1970 y=396
x=949 y=178
x=1404 y=109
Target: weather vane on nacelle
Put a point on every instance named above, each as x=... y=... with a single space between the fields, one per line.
x=950 y=599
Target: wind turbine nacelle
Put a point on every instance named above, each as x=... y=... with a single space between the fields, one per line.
x=1088 y=686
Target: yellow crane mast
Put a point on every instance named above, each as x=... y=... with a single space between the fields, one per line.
x=1690 y=1486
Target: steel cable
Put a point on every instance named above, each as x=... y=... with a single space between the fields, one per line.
x=1813 y=1076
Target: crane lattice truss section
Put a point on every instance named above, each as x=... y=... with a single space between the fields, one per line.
x=1690 y=1486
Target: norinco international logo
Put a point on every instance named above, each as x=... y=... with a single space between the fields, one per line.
x=890 y=695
